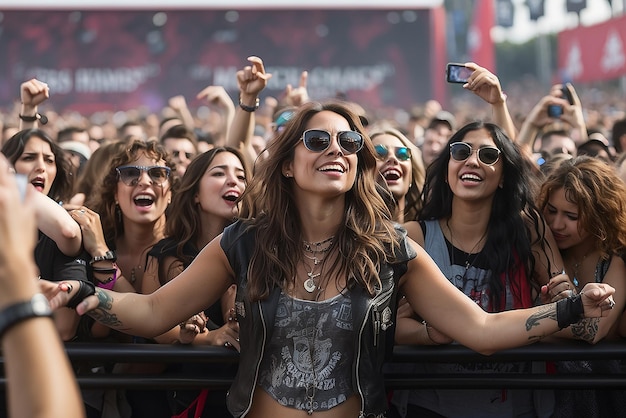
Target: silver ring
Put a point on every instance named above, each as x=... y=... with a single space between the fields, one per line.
x=611 y=303
x=227 y=344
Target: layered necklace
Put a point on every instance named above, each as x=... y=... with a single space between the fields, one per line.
x=316 y=252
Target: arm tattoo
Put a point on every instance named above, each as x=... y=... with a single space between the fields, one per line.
x=586 y=329
x=533 y=321
x=102 y=314
x=547 y=312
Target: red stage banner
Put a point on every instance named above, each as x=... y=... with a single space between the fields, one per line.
x=593 y=53
x=117 y=60
x=480 y=46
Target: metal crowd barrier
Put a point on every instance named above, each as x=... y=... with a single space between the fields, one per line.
x=176 y=354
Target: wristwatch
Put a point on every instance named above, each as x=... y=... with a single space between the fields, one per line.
x=37 y=306
x=109 y=255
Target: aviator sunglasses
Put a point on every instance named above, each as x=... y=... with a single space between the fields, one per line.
x=129 y=174
x=317 y=140
x=401 y=153
x=461 y=151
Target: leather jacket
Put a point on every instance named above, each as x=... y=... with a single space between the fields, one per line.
x=372 y=321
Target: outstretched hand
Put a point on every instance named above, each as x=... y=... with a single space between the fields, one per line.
x=218 y=96
x=59 y=295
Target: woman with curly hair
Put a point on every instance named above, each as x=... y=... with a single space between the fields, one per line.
x=125 y=216
x=121 y=221
x=584 y=203
x=318 y=262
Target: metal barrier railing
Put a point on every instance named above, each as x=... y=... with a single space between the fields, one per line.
x=171 y=354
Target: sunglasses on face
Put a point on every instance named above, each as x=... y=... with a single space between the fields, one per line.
x=401 y=153
x=176 y=154
x=129 y=174
x=317 y=140
x=461 y=151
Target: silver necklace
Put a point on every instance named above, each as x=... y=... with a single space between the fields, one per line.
x=309 y=283
x=315 y=248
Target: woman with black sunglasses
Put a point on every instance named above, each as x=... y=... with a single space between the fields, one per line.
x=318 y=262
x=480 y=225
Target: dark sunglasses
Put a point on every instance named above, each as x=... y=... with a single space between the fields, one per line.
x=461 y=151
x=401 y=153
x=317 y=140
x=129 y=174
x=176 y=154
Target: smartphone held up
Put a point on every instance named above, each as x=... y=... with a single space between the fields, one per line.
x=457 y=73
x=555 y=111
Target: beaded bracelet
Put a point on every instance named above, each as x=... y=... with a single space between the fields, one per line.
x=249 y=108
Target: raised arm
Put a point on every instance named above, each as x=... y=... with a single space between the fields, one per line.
x=32 y=93
x=31 y=346
x=217 y=96
x=251 y=80
x=448 y=310
x=572 y=111
x=486 y=85
x=179 y=105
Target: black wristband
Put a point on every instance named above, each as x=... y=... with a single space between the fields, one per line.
x=102 y=270
x=85 y=289
x=569 y=311
x=249 y=108
x=37 y=306
x=37 y=117
x=108 y=256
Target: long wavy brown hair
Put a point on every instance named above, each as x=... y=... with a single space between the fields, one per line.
x=103 y=201
x=600 y=195
x=366 y=238
x=184 y=222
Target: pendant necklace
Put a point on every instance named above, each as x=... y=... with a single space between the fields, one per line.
x=575 y=268
x=311 y=251
x=468 y=255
